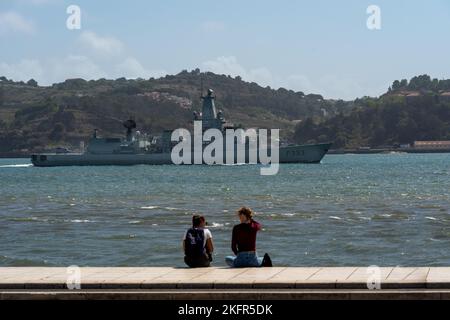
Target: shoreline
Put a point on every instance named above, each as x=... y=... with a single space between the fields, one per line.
x=386 y=150
x=330 y=152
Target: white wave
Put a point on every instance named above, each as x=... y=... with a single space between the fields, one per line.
x=216 y=225
x=28 y=219
x=335 y=218
x=134 y=221
x=150 y=207
x=80 y=221
x=170 y=208
x=17 y=165
x=430 y=218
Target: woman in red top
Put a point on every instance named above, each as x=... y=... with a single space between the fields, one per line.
x=243 y=241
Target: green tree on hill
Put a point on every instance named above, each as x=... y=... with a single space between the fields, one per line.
x=421 y=83
x=32 y=83
x=389 y=120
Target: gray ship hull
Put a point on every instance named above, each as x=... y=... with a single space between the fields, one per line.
x=290 y=154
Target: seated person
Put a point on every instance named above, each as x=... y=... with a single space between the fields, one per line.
x=197 y=244
x=243 y=242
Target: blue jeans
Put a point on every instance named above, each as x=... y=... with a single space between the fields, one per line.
x=243 y=260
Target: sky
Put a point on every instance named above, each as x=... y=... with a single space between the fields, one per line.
x=320 y=46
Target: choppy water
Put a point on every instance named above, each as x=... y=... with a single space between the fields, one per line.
x=350 y=210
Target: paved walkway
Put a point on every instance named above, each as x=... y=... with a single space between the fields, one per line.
x=252 y=281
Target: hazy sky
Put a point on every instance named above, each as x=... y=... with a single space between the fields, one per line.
x=316 y=46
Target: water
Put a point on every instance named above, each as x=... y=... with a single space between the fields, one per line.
x=387 y=210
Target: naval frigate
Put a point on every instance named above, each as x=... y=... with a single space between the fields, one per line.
x=136 y=148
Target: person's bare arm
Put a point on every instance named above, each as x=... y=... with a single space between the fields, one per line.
x=209 y=246
x=234 y=247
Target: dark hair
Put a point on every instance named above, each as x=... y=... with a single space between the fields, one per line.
x=247 y=212
x=197 y=220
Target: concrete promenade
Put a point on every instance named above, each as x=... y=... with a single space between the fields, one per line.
x=224 y=283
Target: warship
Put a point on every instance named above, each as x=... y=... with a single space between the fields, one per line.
x=137 y=148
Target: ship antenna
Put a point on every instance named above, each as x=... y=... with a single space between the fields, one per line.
x=201 y=85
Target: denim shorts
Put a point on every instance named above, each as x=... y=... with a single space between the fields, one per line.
x=243 y=260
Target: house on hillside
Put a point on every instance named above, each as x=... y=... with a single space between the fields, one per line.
x=431 y=144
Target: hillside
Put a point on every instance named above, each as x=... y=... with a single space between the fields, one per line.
x=34 y=118
x=418 y=109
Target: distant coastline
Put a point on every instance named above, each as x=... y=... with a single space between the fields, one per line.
x=387 y=150
x=37 y=118
x=19 y=155
x=14 y=155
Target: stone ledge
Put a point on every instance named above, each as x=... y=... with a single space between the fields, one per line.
x=160 y=278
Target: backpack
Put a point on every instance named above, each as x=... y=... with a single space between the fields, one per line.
x=194 y=244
